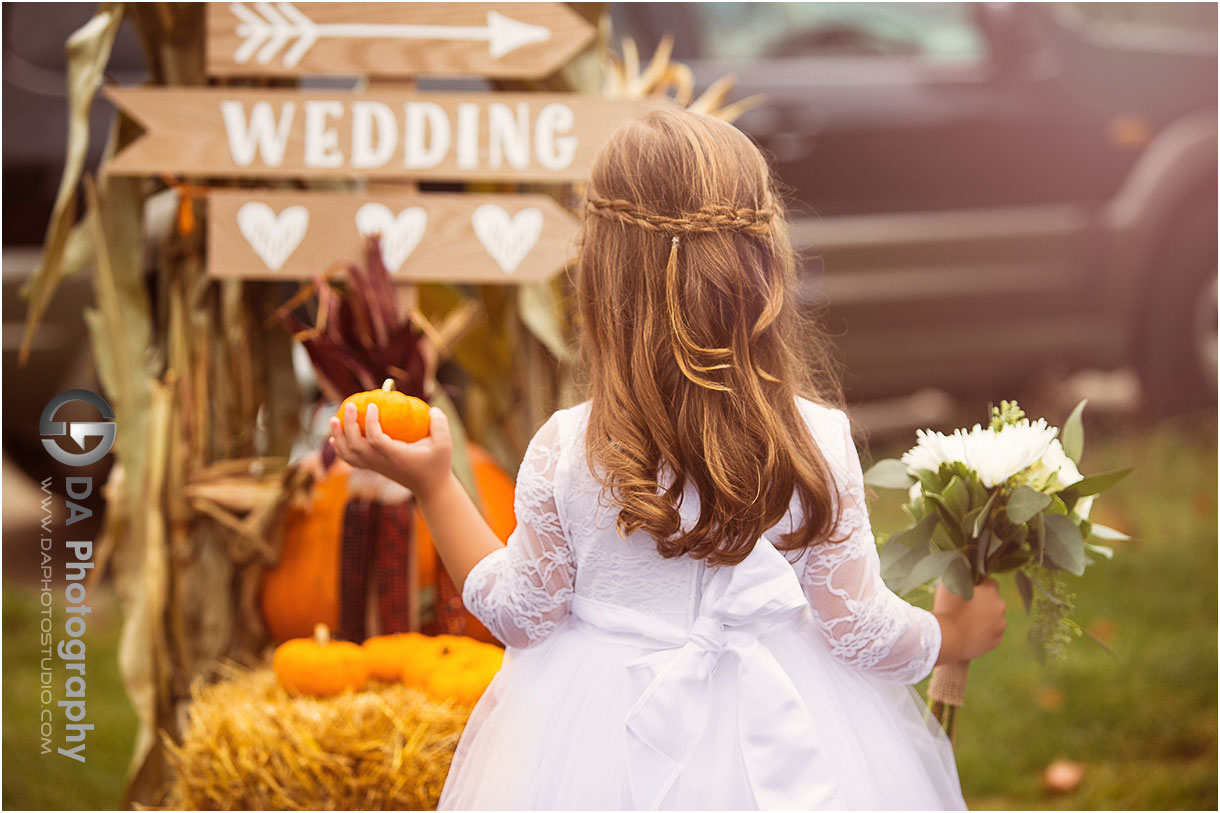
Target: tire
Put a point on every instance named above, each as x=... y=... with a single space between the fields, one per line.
x=1177 y=354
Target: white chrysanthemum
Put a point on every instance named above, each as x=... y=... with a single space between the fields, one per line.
x=995 y=455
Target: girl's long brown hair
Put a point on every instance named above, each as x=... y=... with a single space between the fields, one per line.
x=690 y=334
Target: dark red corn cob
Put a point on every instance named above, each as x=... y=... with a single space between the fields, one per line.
x=355 y=556
x=450 y=611
x=395 y=547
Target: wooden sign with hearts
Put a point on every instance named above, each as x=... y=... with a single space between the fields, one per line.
x=382 y=134
x=523 y=40
x=273 y=234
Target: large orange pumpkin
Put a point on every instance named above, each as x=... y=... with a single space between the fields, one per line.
x=302 y=589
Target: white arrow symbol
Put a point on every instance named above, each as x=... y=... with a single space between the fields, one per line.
x=282 y=22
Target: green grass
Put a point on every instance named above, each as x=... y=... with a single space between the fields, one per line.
x=37 y=781
x=1142 y=720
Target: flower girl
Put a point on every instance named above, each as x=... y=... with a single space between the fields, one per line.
x=691 y=600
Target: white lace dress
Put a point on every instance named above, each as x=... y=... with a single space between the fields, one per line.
x=634 y=681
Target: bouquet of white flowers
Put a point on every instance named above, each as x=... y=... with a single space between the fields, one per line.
x=999 y=499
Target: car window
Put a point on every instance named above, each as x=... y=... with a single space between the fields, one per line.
x=936 y=32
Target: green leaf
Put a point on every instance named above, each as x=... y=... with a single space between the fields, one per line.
x=958 y=578
x=957 y=497
x=930 y=567
x=1024 y=503
x=1097 y=483
x=980 y=554
x=889 y=473
x=1107 y=533
x=1039 y=527
x=902 y=550
x=1026 y=589
x=979 y=520
x=928 y=479
x=1009 y=562
x=1072 y=437
x=1064 y=544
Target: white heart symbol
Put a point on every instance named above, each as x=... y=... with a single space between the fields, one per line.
x=272 y=237
x=507 y=240
x=399 y=235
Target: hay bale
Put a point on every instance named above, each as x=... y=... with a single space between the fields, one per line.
x=250 y=745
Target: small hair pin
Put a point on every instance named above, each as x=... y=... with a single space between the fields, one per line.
x=675 y=240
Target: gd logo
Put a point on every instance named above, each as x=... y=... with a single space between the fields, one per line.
x=79 y=431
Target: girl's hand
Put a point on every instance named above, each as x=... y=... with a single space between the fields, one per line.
x=419 y=466
x=969 y=628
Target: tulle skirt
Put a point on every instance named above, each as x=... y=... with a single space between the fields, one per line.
x=549 y=733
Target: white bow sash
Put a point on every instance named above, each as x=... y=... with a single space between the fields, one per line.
x=784 y=759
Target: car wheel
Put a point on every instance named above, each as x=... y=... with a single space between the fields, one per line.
x=1178 y=352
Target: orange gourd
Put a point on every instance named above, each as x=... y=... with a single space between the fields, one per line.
x=318 y=666
x=302 y=589
x=386 y=654
x=402 y=417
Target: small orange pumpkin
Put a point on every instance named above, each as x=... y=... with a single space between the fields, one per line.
x=386 y=654
x=466 y=673
x=402 y=417
x=318 y=666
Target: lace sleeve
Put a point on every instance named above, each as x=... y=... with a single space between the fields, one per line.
x=522 y=592
x=866 y=625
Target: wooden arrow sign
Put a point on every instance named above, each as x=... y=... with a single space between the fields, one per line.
x=387 y=134
x=265 y=234
x=526 y=40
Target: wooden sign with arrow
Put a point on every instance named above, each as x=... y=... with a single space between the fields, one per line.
x=383 y=134
x=265 y=234
x=524 y=40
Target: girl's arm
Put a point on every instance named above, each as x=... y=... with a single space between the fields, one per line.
x=521 y=591
x=461 y=535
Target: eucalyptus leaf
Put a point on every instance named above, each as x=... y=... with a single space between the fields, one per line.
x=1026 y=589
x=979 y=520
x=1072 y=436
x=1024 y=503
x=1038 y=524
x=957 y=497
x=902 y=550
x=1064 y=544
x=889 y=473
x=930 y=567
x=980 y=554
x=958 y=578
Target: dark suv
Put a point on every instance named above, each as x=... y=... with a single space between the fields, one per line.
x=983 y=190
